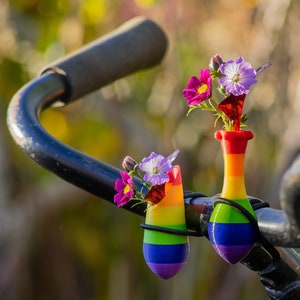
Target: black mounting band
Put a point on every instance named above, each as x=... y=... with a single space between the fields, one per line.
x=239 y=208
x=170 y=230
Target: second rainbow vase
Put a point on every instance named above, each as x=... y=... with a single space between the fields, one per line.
x=230 y=232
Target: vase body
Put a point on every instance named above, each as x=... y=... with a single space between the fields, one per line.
x=230 y=231
x=166 y=253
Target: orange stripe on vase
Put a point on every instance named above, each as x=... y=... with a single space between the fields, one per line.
x=234 y=164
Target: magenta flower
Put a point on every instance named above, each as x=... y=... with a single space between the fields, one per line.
x=238 y=76
x=198 y=89
x=124 y=188
x=156 y=167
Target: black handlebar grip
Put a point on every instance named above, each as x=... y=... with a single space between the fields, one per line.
x=137 y=44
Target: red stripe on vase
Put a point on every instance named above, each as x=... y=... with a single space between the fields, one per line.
x=233 y=142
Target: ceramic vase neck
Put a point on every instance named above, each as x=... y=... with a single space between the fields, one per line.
x=234 y=144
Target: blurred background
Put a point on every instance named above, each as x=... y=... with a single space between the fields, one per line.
x=58 y=242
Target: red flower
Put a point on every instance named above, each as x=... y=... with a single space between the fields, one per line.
x=156 y=194
x=232 y=107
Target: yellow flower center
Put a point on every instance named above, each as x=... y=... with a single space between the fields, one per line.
x=126 y=189
x=202 y=88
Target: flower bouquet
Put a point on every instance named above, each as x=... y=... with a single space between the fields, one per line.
x=231 y=227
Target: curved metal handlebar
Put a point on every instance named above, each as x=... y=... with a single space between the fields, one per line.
x=97 y=177
x=278 y=227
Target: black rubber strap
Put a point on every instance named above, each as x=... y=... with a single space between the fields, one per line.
x=170 y=230
x=240 y=209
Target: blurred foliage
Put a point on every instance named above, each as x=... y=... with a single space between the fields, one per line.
x=59 y=242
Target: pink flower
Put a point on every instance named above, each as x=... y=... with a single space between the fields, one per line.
x=124 y=188
x=198 y=89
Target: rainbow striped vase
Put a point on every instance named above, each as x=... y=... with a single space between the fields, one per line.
x=229 y=230
x=166 y=253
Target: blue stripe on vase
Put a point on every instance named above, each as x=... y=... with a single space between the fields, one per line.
x=165 y=254
x=231 y=234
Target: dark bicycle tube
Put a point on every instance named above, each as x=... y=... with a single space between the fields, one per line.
x=280 y=280
x=73 y=166
x=98 y=178
x=136 y=45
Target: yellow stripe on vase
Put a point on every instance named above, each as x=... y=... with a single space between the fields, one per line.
x=234 y=188
x=168 y=215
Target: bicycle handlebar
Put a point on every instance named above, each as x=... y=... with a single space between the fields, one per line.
x=278 y=227
x=136 y=45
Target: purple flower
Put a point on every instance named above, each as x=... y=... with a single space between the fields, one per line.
x=124 y=188
x=264 y=67
x=198 y=89
x=156 y=167
x=238 y=76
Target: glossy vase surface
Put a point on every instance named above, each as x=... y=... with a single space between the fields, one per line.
x=166 y=253
x=230 y=231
